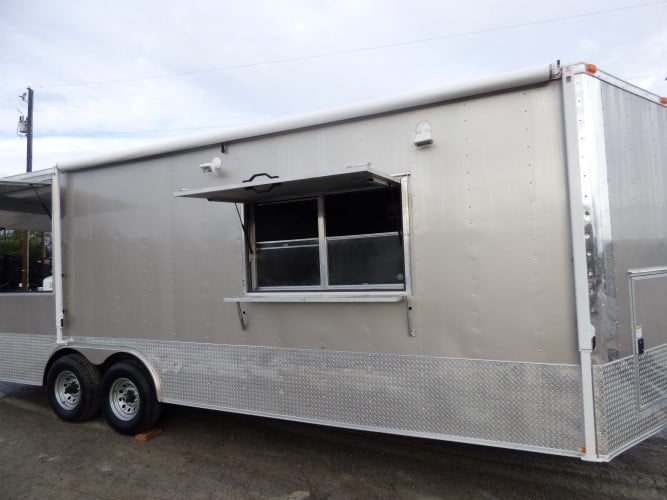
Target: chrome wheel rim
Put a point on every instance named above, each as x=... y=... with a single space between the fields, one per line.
x=124 y=399
x=67 y=390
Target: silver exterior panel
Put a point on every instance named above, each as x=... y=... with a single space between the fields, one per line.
x=29 y=313
x=599 y=244
x=635 y=129
x=484 y=219
x=627 y=261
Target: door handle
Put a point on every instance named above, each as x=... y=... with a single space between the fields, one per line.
x=639 y=338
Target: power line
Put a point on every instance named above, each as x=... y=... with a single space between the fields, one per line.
x=359 y=49
x=136 y=132
x=121 y=133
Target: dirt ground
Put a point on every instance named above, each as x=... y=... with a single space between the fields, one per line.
x=207 y=454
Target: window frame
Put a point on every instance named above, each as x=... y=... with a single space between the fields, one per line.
x=251 y=288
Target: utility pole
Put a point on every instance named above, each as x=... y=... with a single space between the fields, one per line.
x=26 y=128
x=28 y=158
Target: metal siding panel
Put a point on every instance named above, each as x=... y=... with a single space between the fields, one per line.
x=364 y=327
x=159 y=267
x=142 y=264
x=490 y=216
x=635 y=131
x=636 y=153
x=27 y=313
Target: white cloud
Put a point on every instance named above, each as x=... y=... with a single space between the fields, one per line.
x=46 y=43
x=51 y=150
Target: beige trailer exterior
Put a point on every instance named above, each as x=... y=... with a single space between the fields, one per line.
x=472 y=264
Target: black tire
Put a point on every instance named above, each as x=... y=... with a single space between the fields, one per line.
x=129 y=399
x=74 y=388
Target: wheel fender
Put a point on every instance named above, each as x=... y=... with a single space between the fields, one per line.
x=97 y=355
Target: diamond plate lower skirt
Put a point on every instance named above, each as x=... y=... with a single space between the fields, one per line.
x=630 y=400
x=511 y=404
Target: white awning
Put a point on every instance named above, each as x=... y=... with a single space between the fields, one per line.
x=264 y=187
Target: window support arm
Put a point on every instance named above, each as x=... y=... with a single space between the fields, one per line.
x=245 y=231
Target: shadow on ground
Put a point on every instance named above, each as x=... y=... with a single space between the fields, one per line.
x=208 y=454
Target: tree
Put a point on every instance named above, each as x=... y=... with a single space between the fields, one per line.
x=11 y=251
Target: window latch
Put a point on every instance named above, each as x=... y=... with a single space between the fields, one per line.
x=264 y=174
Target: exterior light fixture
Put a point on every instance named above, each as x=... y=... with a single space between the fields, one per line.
x=423 y=134
x=214 y=166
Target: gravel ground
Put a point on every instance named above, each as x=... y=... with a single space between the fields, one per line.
x=206 y=454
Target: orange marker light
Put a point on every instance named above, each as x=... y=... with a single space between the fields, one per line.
x=663 y=100
x=583 y=450
x=591 y=68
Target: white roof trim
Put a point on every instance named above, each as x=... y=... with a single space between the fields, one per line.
x=368 y=108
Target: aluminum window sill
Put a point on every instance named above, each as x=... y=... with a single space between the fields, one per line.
x=320 y=297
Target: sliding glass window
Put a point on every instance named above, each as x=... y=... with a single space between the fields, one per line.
x=351 y=240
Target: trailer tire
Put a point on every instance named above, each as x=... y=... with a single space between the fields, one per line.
x=129 y=399
x=73 y=384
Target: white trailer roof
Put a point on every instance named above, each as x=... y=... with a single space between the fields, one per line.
x=507 y=81
x=498 y=83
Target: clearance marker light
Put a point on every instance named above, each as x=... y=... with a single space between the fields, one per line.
x=663 y=100
x=591 y=68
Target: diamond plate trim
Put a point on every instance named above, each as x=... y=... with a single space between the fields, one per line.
x=510 y=403
x=522 y=405
x=619 y=421
x=653 y=375
x=23 y=357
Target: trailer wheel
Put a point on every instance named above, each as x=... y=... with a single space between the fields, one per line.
x=129 y=399
x=73 y=384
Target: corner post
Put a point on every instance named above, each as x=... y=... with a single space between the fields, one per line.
x=56 y=232
x=580 y=211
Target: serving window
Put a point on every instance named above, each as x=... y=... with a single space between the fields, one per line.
x=25 y=233
x=286 y=246
x=341 y=231
x=334 y=241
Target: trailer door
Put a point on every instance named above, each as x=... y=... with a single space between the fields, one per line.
x=648 y=289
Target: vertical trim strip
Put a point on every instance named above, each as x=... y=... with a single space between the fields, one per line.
x=573 y=104
x=56 y=228
x=405 y=208
x=322 y=237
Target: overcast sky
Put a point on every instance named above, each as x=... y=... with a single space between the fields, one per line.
x=112 y=75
